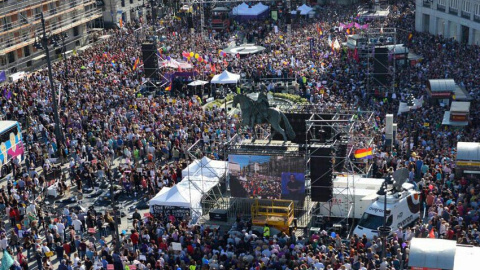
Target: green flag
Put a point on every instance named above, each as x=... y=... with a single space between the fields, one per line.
x=7 y=261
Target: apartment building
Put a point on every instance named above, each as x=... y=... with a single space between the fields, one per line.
x=458 y=19
x=126 y=10
x=66 y=21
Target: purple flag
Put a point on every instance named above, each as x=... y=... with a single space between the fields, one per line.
x=3 y=76
x=357 y=25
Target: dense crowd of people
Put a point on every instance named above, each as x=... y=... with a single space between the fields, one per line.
x=103 y=117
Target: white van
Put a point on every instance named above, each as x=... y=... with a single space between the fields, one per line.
x=403 y=208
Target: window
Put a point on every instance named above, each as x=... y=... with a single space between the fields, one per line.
x=370 y=221
x=454 y=4
x=23 y=17
x=442 y=3
x=467 y=6
x=477 y=9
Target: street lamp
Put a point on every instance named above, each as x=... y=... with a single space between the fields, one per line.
x=44 y=46
x=385 y=229
x=410 y=104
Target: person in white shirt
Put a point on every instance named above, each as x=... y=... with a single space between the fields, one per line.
x=77 y=225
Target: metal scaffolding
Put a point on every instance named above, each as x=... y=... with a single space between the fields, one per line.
x=333 y=130
x=377 y=48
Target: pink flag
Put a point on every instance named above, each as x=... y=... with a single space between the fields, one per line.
x=357 y=25
x=365 y=26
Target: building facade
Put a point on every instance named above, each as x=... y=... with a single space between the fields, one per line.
x=67 y=24
x=458 y=19
x=127 y=10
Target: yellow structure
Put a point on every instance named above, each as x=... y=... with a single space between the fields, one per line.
x=275 y=213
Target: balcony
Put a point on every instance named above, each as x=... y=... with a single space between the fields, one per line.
x=427 y=3
x=453 y=11
x=441 y=8
x=476 y=18
x=466 y=15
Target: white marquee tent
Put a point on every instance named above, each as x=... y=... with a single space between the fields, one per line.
x=186 y=194
x=304 y=10
x=225 y=78
x=244 y=10
x=206 y=167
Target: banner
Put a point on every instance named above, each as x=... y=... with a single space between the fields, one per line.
x=403 y=107
x=3 y=76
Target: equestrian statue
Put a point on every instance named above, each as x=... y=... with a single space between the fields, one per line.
x=260 y=112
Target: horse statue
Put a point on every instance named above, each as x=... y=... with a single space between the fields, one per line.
x=257 y=112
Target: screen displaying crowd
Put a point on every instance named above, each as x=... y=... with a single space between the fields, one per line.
x=267 y=177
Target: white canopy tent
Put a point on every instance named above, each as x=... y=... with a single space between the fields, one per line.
x=183 y=198
x=304 y=10
x=206 y=167
x=225 y=78
x=244 y=10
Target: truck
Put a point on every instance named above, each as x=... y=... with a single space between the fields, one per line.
x=403 y=209
x=349 y=193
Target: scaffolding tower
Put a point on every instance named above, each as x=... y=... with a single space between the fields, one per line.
x=377 y=49
x=334 y=130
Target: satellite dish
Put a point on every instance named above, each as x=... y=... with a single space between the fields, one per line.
x=400 y=176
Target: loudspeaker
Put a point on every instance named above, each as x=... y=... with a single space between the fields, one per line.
x=341 y=154
x=288 y=17
x=150 y=60
x=380 y=65
x=321 y=174
x=190 y=21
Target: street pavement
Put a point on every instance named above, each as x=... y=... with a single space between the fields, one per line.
x=126 y=204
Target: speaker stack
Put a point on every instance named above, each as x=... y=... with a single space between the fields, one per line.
x=150 y=61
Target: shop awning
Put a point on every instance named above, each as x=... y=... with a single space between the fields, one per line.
x=432 y=253
x=468 y=151
x=447 y=122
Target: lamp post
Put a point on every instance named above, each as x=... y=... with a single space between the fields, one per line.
x=67 y=90
x=410 y=104
x=58 y=132
x=116 y=211
x=384 y=230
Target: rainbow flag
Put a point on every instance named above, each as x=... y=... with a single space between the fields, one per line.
x=113 y=64
x=135 y=65
x=363 y=153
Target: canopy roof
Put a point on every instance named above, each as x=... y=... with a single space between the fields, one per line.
x=303 y=9
x=432 y=253
x=206 y=167
x=468 y=151
x=225 y=78
x=441 y=85
x=244 y=10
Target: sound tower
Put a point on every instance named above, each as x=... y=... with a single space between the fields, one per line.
x=380 y=65
x=190 y=21
x=321 y=174
x=341 y=154
x=150 y=60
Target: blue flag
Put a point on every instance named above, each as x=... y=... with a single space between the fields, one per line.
x=7 y=261
x=3 y=76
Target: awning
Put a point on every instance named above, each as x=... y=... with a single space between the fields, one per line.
x=432 y=253
x=465 y=257
x=468 y=151
x=460 y=107
x=446 y=121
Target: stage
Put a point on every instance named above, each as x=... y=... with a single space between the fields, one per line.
x=244 y=49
